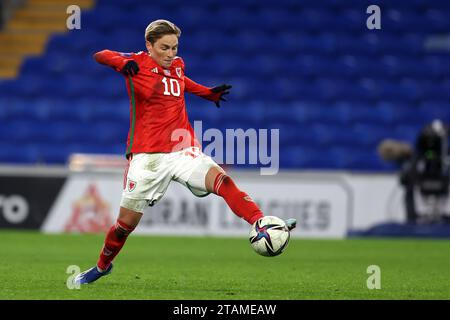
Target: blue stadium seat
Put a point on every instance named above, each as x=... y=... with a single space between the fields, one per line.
x=437 y=66
x=309 y=65
x=349 y=20
x=370 y=135
x=310 y=111
x=53 y=154
x=299 y=157
x=19 y=109
x=224 y=64
x=406 y=133
x=438 y=20
x=314 y=20
x=69 y=132
x=13 y=153
x=26 y=131
x=32 y=65
x=358 y=66
x=108 y=132
x=394 y=112
x=109 y=110
x=287 y=133
x=435 y=110
x=399 y=21
x=351 y=157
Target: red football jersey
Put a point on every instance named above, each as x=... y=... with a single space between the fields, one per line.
x=158 y=117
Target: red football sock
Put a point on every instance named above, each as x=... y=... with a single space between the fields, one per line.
x=114 y=241
x=238 y=201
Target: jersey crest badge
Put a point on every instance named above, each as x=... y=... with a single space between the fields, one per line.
x=178 y=71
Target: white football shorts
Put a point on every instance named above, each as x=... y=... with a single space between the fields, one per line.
x=149 y=174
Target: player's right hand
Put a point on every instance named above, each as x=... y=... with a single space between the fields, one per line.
x=131 y=68
x=219 y=92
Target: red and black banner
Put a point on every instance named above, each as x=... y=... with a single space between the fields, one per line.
x=26 y=201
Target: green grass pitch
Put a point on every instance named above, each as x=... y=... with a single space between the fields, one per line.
x=33 y=266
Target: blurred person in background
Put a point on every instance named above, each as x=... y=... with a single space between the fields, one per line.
x=7 y=8
x=424 y=166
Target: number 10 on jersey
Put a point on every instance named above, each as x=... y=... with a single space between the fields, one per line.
x=174 y=87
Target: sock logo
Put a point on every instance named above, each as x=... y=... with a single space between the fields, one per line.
x=106 y=251
x=248 y=198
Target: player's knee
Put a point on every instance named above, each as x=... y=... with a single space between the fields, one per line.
x=136 y=205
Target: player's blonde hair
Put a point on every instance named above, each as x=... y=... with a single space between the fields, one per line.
x=159 y=28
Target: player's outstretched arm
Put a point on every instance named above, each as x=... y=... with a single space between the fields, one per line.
x=121 y=62
x=214 y=94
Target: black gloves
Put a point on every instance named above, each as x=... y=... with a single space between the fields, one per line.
x=219 y=92
x=131 y=68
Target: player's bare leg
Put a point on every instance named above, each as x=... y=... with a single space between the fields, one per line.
x=129 y=217
x=219 y=183
x=213 y=172
x=114 y=241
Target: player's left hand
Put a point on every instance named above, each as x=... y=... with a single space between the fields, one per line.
x=130 y=68
x=220 y=91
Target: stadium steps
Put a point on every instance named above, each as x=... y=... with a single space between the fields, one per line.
x=27 y=33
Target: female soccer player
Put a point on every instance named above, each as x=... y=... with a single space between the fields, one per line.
x=161 y=144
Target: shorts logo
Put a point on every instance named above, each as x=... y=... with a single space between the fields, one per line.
x=178 y=71
x=131 y=185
